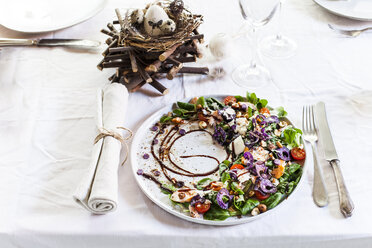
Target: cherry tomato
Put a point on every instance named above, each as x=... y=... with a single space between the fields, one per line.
x=237 y=166
x=202 y=207
x=264 y=111
x=260 y=196
x=229 y=100
x=298 y=153
x=202 y=117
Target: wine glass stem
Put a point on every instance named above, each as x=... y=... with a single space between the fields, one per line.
x=254 y=48
x=279 y=34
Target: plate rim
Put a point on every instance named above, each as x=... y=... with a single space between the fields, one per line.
x=320 y=3
x=168 y=208
x=98 y=9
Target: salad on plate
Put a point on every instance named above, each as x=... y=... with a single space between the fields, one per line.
x=261 y=167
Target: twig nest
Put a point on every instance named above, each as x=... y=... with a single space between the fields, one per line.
x=157 y=22
x=220 y=46
x=137 y=16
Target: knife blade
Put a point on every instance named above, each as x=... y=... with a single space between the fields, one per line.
x=325 y=133
x=72 y=43
x=346 y=204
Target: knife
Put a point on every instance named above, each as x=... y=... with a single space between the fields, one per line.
x=72 y=43
x=346 y=204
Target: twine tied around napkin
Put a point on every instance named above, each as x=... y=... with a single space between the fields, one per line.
x=103 y=132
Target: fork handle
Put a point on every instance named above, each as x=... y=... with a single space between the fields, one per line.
x=346 y=204
x=320 y=194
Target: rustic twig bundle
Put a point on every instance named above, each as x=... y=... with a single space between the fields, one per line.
x=140 y=58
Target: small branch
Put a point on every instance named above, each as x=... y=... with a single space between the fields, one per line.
x=144 y=75
x=120 y=49
x=133 y=62
x=112 y=34
x=195 y=70
x=111 y=27
x=114 y=64
x=173 y=71
x=154 y=67
x=158 y=86
x=169 y=52
x=113 y=43
x=120 y=19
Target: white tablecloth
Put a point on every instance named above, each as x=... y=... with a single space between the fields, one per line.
x=47 y=128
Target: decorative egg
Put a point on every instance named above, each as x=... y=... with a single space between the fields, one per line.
x=155 y=16
x=169 y=26
x=220 y=46
x=137 y=16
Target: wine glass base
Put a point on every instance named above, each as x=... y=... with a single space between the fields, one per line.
x=248 y=76
x=278 y=47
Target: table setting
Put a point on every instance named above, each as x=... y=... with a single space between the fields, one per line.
x=178 y=123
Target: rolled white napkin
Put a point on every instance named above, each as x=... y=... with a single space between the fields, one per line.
x=98 y=190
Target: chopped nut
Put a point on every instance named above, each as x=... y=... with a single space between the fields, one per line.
x=194 y=100
x=216 y=186
x=169 y=114
x=199 y=106
x=283 y=124
x=238 y=114
x=271 y=156
x=255 y=211
x=181 y=195
x=279 y=144
x=251 y=193
x=262 y=207
x=202 y=124
x=263 y=143
x=177 y=120
x=271 y=146
x=277 y=132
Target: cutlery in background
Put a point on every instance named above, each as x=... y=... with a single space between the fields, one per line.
x=346 y=204
x=310 y=135
x=352 y=33
x=70 y=43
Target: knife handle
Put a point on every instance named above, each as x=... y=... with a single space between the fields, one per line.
x=346 y=204
x=15 y=42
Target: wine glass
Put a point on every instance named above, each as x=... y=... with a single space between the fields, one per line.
x=278 y=46
x=257 y=13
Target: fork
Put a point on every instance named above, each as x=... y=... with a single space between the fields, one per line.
x=310 y=135
x=352 y=33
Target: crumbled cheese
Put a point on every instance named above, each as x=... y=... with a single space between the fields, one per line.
x=260 y=154
x=241 y=125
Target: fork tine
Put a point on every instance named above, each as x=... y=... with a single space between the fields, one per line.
x=303 y=118
x=308 y=128
x=313 y=118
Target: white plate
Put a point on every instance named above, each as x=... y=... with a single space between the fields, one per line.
x=36 y=16
x=141 y=144
x=353 y=9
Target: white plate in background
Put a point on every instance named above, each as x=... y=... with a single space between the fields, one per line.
x=37 y=16
x=353 y=9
